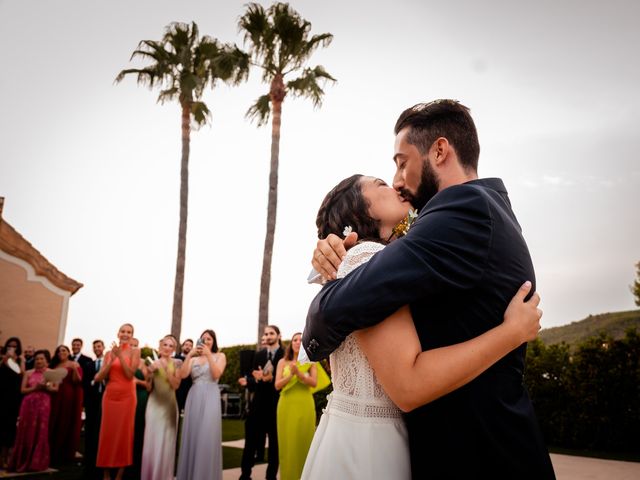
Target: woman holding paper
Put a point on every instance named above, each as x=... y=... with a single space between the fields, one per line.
x=31 y=451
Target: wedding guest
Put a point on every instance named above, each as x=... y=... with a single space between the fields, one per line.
x=31 y=451
x=261 y=416
x=93 y=412
x=185 y=384
x=262 y=436
x=201 y=442
x=296 y=410
x=161 y=423
x=29 y=357
x=66 y=409
x=11 y=371
x=85 y=363
x=115 y=445
x=143 y=386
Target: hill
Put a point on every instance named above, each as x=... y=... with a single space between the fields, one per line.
x=615 y=324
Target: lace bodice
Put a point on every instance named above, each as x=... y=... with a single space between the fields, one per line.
x=201 y=374
x=356 y=390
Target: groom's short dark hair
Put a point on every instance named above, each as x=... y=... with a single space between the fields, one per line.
x=442 y=118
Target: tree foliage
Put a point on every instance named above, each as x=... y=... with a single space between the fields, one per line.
x=231 y=372
x=280 y=44
x=182 y=65
x=635 y=287
x=588 y=398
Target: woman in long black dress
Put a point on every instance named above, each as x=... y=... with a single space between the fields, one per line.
x=11 y=371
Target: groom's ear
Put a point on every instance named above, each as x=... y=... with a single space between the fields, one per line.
x=441 y=151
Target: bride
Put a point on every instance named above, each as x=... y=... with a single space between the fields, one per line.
x=381 y=371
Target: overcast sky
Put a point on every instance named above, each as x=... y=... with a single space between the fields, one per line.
x=90 y=170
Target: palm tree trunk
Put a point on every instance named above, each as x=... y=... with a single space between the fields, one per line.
x=176 y=319
x=277 y=94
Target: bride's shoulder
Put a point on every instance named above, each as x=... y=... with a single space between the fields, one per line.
x=366 y=246
x=357 y=255
x=363 y=251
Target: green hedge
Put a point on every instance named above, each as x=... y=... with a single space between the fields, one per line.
x=588 y=397
x=232 y=372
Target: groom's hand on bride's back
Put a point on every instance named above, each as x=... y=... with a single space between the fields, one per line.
x=330 y=252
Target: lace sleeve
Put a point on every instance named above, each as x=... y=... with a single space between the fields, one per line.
x=357 y=256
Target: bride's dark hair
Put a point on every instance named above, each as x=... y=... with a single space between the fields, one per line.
x=345 y=206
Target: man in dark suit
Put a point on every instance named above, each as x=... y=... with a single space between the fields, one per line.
x=85 y=363
x=93 y=412
x=261 y=417
x=185 y=384
x=457 y=268
x=29 y=358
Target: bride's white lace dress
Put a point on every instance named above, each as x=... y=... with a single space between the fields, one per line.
x=361 y=434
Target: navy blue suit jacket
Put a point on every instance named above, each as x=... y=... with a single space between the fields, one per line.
x=458 y=267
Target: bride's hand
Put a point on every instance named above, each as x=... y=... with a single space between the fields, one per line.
x=524 y=317
x=330 y=252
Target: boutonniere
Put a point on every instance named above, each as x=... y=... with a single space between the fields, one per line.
x=401 y=229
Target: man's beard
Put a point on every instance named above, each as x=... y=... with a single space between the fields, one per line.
x=429 y=186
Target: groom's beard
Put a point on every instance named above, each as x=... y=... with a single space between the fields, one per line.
x=429 y=186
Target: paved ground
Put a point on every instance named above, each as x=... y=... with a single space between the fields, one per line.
x=567 y=467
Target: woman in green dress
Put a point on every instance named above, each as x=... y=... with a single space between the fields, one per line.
x=161 y=422
x=296 y=410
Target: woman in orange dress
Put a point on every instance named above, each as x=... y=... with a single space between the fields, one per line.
x=115 y=446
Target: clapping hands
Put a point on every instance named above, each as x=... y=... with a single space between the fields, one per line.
x=115 y=350
x=257 y=374
x=153 y=366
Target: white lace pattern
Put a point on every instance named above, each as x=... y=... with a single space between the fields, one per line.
x=356 y=391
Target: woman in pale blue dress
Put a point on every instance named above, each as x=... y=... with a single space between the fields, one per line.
x=201 y=444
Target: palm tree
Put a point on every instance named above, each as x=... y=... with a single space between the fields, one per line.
x=279 y=44
x=183 y=65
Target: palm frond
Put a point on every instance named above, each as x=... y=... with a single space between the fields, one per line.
x=310 y=46
x=230 y=64
x=183 y=65
x=260 y=111
x=200 y=113
x=168 y=94
x=258 y=34
x=290 y=32
x=254 y=23
x=308 y=85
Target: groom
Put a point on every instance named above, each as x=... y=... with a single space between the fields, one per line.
x=457 y=268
